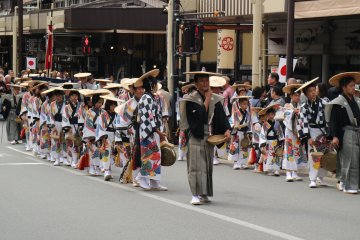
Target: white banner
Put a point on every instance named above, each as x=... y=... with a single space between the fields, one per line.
x=31 y=63
x=282 y=69
x=226 y=49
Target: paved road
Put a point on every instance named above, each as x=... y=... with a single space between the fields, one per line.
x=39 y=201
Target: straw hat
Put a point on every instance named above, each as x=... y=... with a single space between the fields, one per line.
x=242 y=97
x=51 y=90
x=125 y=80
x=256 y=109
x=334 y=80
x=17 y=80
x=90 y=93
x=153 y=73
x=128 y=82
x=216 y=139
x=226 y=78
x=272 y=106
x=306 y=84
x=203 y=73
x=217 y=81
x=187 y=86
x=289 y=88
x=103 y=80
x=111 y=97
x=86 y=92
x=241 y=86
x=82 y=75
x=24 y=84
x=32 y=83
x=34 y=75
x=38 y=85
x=113 y=85
x=15 y=85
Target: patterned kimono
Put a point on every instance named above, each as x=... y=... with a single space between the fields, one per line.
x=24 y=113
x=107 y=135
x=293 y=156
x=56 y=109
x=150 y=119
x=30 y=121
x=183 y=136
x=256 y=131
x=126 y=114
x=270 y=136
x=36 y=103
x=70 y=125
x=91 y=121
x=125 y=96
x=45 y=141
x=312 y=124
x=237 y=153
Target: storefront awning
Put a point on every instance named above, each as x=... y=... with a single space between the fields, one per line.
x=105 y=19
x=326 y=8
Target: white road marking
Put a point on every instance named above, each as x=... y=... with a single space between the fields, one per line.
x=189 y=207
x=20 y=164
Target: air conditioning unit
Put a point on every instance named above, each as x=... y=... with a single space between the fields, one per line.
x=93 y=64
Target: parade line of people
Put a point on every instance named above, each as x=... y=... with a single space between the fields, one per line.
x=296 y=127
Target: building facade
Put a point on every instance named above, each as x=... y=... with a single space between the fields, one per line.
x=123 y=37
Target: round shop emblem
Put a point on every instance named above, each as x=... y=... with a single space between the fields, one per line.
x=227 y=43
x=31 y=63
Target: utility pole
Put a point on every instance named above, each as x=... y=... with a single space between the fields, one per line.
x=170 y=47
x=20 y=43
x=290 y=39
x=14 y=41
x=175 y=63
x=256 y=51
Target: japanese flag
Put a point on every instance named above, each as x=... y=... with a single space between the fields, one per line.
x=282 y=69
x=31 y=63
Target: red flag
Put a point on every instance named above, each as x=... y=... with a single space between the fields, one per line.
x=49 y=48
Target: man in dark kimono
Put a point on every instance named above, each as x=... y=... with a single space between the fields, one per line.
x=312 y=130
x=202 y=113
x=343 y=117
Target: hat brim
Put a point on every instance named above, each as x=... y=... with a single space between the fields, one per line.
x=153 y=73
x=217 y=81
x=38 y=85
x=90 y=93
x=242 y=97
x=203 y=73
x=51 y=90
x=303 y=86
x=289 y=88
x=256 y=109
x=186 y=87
x=235 y=86
x=15 y=85
x=113 y=85
x=82 y=75
x=335 y=80
x=110 y=97
x=16 y=80
x=272 y=106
